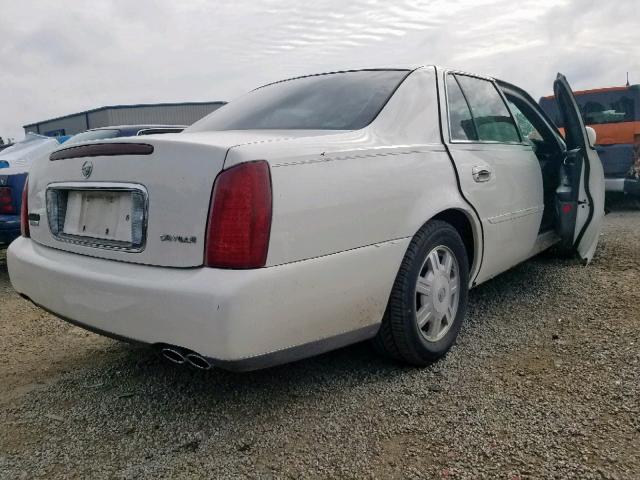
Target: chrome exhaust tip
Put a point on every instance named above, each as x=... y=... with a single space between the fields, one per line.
x=173 y=355
x=198 y=361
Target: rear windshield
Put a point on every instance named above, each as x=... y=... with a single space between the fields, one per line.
x=336 y=101
x=93 y=135
x=601 y=107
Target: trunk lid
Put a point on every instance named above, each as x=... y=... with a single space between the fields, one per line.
x=140 y=200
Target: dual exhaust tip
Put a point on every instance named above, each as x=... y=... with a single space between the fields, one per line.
x=182 y=356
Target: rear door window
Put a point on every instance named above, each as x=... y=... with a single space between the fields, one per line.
x=491 y=116
x=461 y=124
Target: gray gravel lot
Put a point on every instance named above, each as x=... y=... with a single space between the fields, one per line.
x=544 y=383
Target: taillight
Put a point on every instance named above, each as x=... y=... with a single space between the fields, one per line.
x=240 y=217
x=24 y=211
x=6 y=201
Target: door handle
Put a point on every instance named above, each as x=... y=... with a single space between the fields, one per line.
x=481 y=173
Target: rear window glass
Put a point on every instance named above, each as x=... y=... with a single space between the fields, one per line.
x=93 y=135
x=336 y=101
x=460 y=120
x=598 y=108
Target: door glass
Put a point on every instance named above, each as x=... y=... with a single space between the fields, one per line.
x=528 y=131
x=491 y=116
x=460 y=120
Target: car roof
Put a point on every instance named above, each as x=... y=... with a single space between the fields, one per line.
x=402 y=67
x=407 y=68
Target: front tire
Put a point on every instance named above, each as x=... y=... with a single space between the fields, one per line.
x=428 y=301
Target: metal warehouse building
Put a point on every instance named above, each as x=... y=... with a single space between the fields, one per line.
x=158 y=114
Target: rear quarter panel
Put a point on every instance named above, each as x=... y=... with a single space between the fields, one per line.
x=350 y=190
x=356 y=199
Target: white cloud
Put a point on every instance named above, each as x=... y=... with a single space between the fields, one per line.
x=56 y=61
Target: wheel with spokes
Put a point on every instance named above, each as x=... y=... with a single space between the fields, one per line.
x=437 y=291
x=429 y=297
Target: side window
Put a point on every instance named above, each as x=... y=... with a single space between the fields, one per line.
x=529 y=132
x=460 y=120
x=490 y=114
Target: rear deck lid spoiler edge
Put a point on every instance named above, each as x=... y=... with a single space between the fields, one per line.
x=102 y=149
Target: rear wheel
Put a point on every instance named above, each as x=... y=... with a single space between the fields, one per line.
x=429 y=297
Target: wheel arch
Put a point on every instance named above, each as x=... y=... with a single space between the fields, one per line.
x=464 y=223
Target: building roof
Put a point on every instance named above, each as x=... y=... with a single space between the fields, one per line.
x=118 y=107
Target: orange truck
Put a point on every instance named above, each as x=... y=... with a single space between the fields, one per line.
x=614 y=113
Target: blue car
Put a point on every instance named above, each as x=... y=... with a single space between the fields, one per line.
x=15 y=162
x=14 y=166
x=10 y=195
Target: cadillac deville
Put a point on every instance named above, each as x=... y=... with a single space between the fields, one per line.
x=309 y=214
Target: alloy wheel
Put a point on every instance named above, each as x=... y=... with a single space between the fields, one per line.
x=437 y=293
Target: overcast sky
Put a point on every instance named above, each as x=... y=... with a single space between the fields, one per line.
x=62 y=57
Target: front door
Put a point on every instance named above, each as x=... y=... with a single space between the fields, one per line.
x=580 y=196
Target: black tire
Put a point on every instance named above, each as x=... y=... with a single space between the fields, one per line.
x=399 y=336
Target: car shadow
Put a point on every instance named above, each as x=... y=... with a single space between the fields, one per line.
x=138 y=373
x=338 y=371
x=617 y=202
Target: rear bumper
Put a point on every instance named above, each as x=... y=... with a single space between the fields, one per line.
x=9 y=228
x=241 y=320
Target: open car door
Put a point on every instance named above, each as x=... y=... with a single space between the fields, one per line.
x=580 y=196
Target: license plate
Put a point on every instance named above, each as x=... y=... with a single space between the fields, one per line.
x=100 y=215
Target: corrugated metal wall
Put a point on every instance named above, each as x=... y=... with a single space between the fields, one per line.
x=178 y=114
x=166 y=115
x=98 y=119
x=73 y=124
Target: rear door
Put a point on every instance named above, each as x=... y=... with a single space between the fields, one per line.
x=499 y=174
x=580 y=196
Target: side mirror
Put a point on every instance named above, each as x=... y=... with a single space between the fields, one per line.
x=591 y=133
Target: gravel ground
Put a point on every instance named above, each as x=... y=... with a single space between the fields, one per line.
x=543 y=383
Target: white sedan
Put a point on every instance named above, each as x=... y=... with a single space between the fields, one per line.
x=309 y=214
